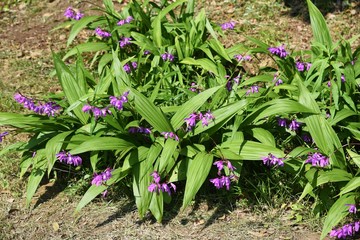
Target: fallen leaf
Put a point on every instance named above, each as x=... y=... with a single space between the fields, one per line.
x=56 y=226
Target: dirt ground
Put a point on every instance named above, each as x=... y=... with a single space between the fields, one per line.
x=25 y=56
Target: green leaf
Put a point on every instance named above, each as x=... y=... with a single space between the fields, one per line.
x=152 y=114
x=337 y=212
x=264 y=136
x=198 y=170
x=168 y=151
x=78 y=26
x=205 y=63
x=353 y=184
x=334 y=175
x=157 y=206
x=71 y=88
x=219 y=49
x=102 y=144
x=320 y=29
x=191 y=106
x=36 y=175
x=87 y=47
x=247 y=150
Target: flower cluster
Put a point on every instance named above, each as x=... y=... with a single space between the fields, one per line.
x=47 y=108
x=125 y=21
x=240 y=57
x=271 y=160
x=127 y=67
x=102 y=33
x=97 y=112
x=118 y=102
x=278 y=51
x=167 y=57
x=300 y=66
x=253 y=89
x=223 y=180
x=71 y=13
x=100 y=178
x=346 y=231
x=228 y=25
x=69 y=159
x=317 y=160
x=140 y=129
x=124 y=42
x=170 y=135
x=156 y=186
x=293 y=125
x=205 y=118
x=3 y=135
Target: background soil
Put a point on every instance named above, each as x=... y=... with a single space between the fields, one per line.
x=25 y=60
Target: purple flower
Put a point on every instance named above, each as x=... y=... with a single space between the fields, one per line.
x=2 y=135
x=118 y=102
x=156 y=186
x=240 y=57
x=271 y=160
x=124 y=42
x=71 y=13
x=219 y=164
x=329 y=83
x=167 y=57
x=124 y=21
x=69 y=159
x=191 y=121
x=308 y=66
x=228 y=25
x=278 y=51
x=147 y=52
x=102 y=33
x=282 y=122
x=222 y=181
x=127 y=67
x=253 y=89
x=300 y=66
x=317 y=160
x=205 y=118
x=100 y=112
x=345 y=231
x=48 y=108
x=100 y=178
x=278 y=82
x=352 y=208
x=170 y=135
x=193 y=87
x=230 y=166
x=140 y=130
x=87 y=108
x=307 y=138
x=294 y=125
x=342 y=78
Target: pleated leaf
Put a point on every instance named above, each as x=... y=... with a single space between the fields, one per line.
x=197 y=172
x=102 y=144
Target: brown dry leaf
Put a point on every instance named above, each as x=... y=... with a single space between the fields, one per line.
x=199 y=222
x=257 y=234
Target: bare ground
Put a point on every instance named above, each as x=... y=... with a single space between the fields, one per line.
x=25 y=57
